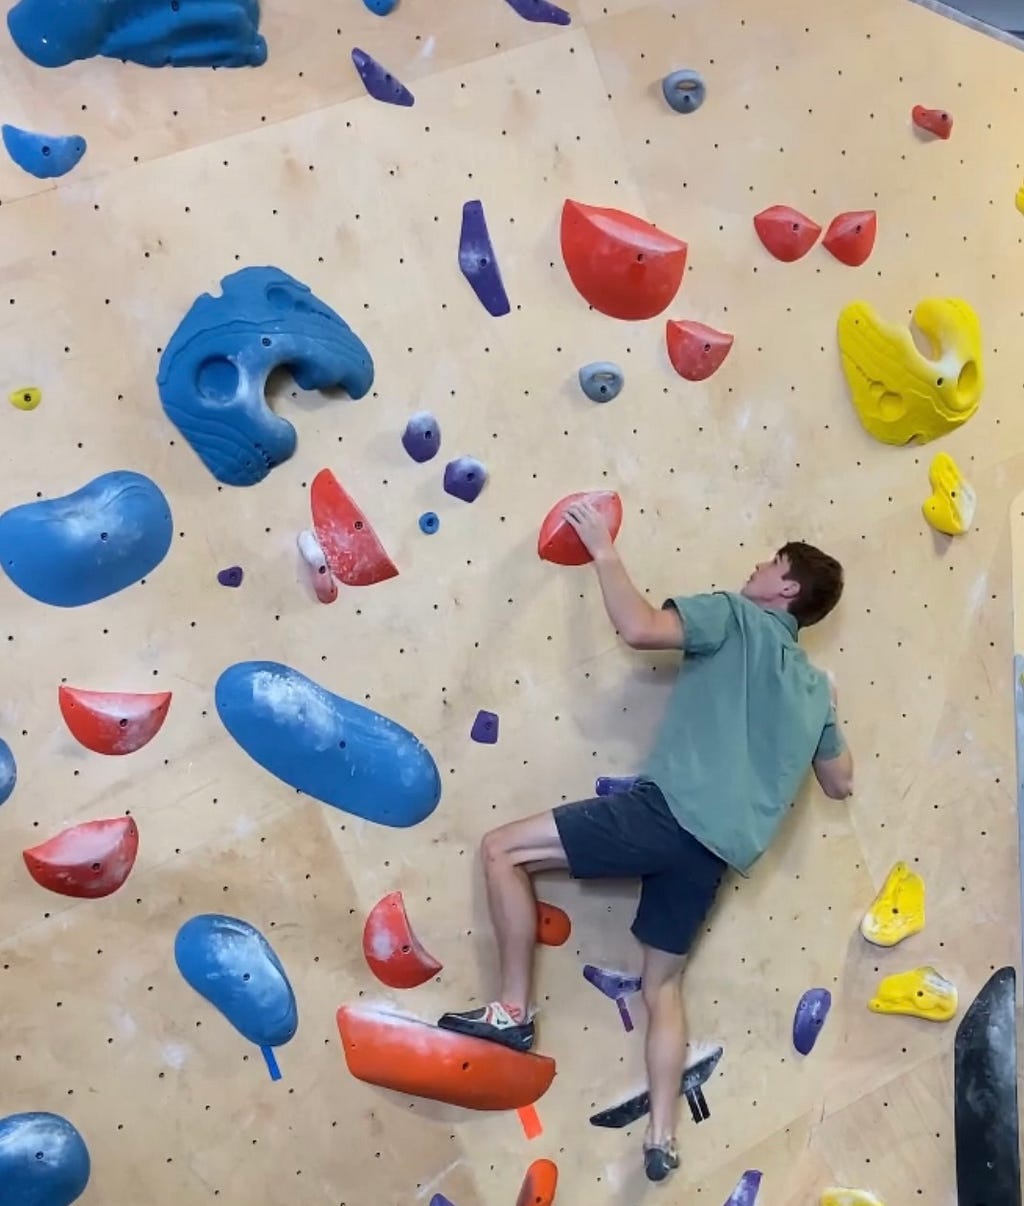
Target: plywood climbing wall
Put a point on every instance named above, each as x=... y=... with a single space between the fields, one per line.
x=191 y=175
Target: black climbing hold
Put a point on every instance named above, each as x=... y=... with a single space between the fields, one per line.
x=464 y=478
x=232 y=576
x=540 y=10
x=684 y=90
x=478 y=263
x=422 y=437
x=690 y=1087
x=379 y=82
x=485 y=728
x=601 y=381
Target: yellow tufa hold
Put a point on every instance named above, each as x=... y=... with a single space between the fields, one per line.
x=950 y=508
x=849 y=1197
x=897 y=911
x=27 y=398
x=921 y=993
x=899 y=394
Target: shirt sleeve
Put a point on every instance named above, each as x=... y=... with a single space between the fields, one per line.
x=707 y=620
x=831 y=743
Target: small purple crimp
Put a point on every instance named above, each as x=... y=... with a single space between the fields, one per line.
x=232 y=576
x=485 y=728
x=379 y=82
x=613 y=785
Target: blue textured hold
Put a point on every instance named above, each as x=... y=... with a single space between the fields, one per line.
x=811 y=1011
x=87 y=545
x=328 y=747
x=440 y=1200
x=154 y=33
x=216 y=364
x=422 y=437
x=8 y=772
x=231 y=964
x=43 y=1161
x=429 y=523
x=381 y=7
x=614 y=785
x=601 y=381
x=379 y=82
x=43 y=155
x=478 y=263
x=464 y=478
x=541 y=10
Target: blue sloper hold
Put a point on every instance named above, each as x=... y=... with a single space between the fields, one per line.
x=684 y=90
x=429 y=523
x=811 y=1012
x=540 y=10
x=601 y=381
x=87 y=545
x=43 y=1161
x=216 y=364
x=153 y=33
x=43 y=155
x=478 y=263
x=8 y=771
x=330 y=748
x=422 y=437
x=379 y=82
x=381 y=7
x=485 y=728
x=464 y=478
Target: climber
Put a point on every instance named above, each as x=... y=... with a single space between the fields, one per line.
x=747 y=718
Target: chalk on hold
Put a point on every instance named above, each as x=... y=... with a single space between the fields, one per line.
x=27 y=398
x=232 y=576
x=485 y=728
x=153 y=33
x=464 y=478
x=478 y=262
x=921 y=993
x=429 y=523
x=88 y=860
x=422 y=437
x=540 y=10
x=747 y=1187
x=950 y=507
x=379 y=82
x=897 y=912
x=43 y=155
x=381 y=8
x=899 y=394
x=8 y=772
x=539 y=1184
x=393 y=952
x=849 y=1197
x=553 y=924
x=558 y=541
x=851 y=236
x=601 y=381
x=691 y=1087
x=43 y=1161
x=354 y=554
x=785 y=232
x=932 y=121
x=320 y=576
x=622 y=265
x=616 y=986
x=811 y=1011
x=113 y=722
x=684 y=90
x=89 y=544
x=695 y=350
x=215 y=367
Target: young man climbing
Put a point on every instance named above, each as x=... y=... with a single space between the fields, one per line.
x=748 y=717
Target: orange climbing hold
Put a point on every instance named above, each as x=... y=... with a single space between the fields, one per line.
x=411 y=1056
x=539 y=1185
x=88 y=860
x=696 y=351
x=354 y=554
x=392 y=950
x=113 y=722
x=558 y=541
x=851 y=236
x=553 y=924
x=933 y=121
x=786 y=233
x=622 y=265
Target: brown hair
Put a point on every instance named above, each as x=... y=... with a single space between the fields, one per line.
x=821 y=581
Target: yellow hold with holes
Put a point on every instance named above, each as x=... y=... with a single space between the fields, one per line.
x=950 y=507
x=921 y=993
x=27 y=398
x=897 y=911
x=849 y=1197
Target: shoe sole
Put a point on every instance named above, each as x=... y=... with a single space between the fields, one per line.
x=489 y=1034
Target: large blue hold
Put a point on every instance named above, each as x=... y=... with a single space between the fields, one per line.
x=43 y=1161
x=43 y=155
x=154 y=33
x=216 y=364
x=330 y=748
x=84 y=546
x=8 y=771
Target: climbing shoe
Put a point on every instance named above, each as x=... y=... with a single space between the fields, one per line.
x=492 y=1022
x=660 y=1160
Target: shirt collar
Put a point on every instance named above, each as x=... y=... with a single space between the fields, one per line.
x=786 y=619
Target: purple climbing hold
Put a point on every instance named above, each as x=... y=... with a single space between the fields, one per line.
x=745 y=1193
x=613 y=785
x=464 y=477
x=811 y=1012
x=485 y=728
x=440 y=1200
x=540 y=10
x=379 y=82
x=614 y=985
x=422 y=437
x=232 y=576
x=478 y=263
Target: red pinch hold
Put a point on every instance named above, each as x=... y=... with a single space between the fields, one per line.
x=851 y=236
x=88 y=860
x=934 y=121
x=558 y=541
x=113 y=722
x=349 y=543
x=393 y=952
x=785 y=232
x=696 y=350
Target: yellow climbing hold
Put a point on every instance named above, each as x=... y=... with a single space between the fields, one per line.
x=950 y=508
x=900 y=394
x=849 y=1197
x=1019 y=199
x=898 y=909
x=921 y=993
x=27 y=398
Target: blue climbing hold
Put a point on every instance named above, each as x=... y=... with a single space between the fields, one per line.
x=478 y=263
x=613 y=785
x=601 y=381
x=811 y=1012
x=87 y=545
x=684 y=90
x=43 y=1161
x=216 y=364
x=540 y=10
x=422 y=437
x=440 y=1200
x=429 y=523
x=379 y=82
x=232 y=576
x=485 y=728
x=381 y=7
x=464 y=478
x=8 y=771
x=330 y=748
x=43 y=155
x=153 y=33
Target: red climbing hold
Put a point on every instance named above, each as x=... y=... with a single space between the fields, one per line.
x=553 y=924
x=113 y=722
x=354 y=554
x=934 y=121
x=622 y=265
x=787 y=233
x=92 y=859
x=851 y=236
x=539 y=1185
x=558 y=541
x=392 y=950
x=695 y=350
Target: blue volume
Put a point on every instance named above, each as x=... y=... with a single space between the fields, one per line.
x=8 y=771
x=84 y=546
x=328 y=747
x=43 y=1161
x=43 y=155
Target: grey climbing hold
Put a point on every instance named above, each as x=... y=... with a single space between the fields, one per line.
x=601 y=381
x=684 y=90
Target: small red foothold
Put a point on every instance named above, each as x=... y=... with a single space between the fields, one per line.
x=851 y=236
x=786 y=233
x=540 y=1184
x=350 y=545
x=393 y=953
x=696 y=350
x=113 y=722
x=88 y=860
x=558 y=541
x=934 y=121
x=553 y=924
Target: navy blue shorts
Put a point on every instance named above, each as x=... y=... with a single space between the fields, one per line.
x=634 y=834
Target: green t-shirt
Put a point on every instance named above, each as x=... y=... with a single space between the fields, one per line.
x=746 y=717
